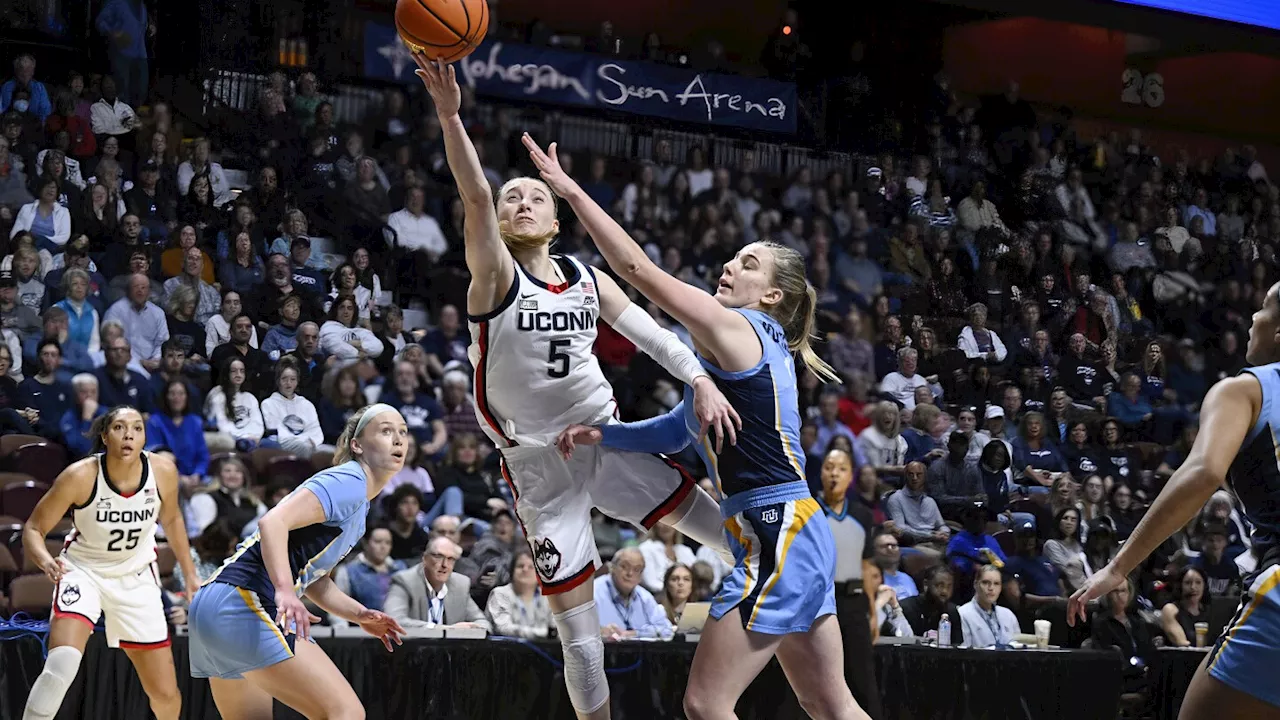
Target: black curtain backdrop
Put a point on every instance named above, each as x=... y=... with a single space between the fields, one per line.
x=475 y=680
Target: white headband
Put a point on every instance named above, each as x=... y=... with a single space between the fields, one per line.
x=369 y=413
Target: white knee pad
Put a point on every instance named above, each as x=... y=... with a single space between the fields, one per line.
x=579 y=630
x=46 y=694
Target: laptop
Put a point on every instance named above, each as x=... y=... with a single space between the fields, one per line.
x=693 y=618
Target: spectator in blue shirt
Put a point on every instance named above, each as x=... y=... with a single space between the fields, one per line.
x=1219 y=569
x=50 y=395
x=972 y=547
x=24 y=70
x=180 y=431
x=77 y=421
x=421 y=412
x=126 y=27
x=117 y=384
x=1129 y=405
x=1030 y=580
x=368 y=578
x=626 y=609
x=1035 y=457
x=887 y=557
x=447 y=342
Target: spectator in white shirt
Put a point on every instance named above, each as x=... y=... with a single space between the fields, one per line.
x=1081 y=224
x=979 y=342
x=343 y=339
x=217 y=330
x=417 y=231
x=199 y=164
x=519 y=609
x=901 y=384
x=290 y=416
x=663 y=549
x=985 y=623
x=111 y=115
x=976 y=212
x=45 y=219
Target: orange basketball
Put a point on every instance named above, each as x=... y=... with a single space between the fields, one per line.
x=445 y=30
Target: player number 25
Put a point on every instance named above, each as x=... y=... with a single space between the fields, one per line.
x=558 y=358
x=118 y=537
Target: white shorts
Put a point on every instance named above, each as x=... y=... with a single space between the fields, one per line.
x=554 y=498
x=132 y=604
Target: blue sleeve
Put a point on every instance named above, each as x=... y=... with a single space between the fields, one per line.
x=341 y=492
x=156 y=436
x=199 y=450
x=662 y=434
x=73 y=433
x=41 y=107
x=6 y=95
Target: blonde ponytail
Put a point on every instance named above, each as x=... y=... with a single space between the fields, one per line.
x=798 y=310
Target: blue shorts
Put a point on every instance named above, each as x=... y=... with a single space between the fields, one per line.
x=233 y=631
x=783 y=577
x=1245 y=657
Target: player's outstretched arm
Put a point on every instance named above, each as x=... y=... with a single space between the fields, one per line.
x=713 y=325
x=1229 y=411
x=488 y=258
x=326 y=593
x=72 y=487
x=662 y=434
x=175 y=528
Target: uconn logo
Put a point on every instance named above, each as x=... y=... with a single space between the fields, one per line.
x=125 y=516
x=559 y=321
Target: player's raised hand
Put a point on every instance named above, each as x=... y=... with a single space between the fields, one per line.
x=442 y=84
x=292 y=616
x=382 y=626
x=548 y=165
x=575 y=435
x=1100 y=583
x=714 y=413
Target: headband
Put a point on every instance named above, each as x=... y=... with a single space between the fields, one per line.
x=369 y=413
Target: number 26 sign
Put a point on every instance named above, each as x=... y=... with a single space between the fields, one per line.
x=1139 y=89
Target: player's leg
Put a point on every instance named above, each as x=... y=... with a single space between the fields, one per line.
x=136 y=623
x=814 y=664
x=76 y=607
x=240 y=700
x=554 y=508
x=1236 y=681
x=159 y=679
x=310 y=683
x=728 y=658
x=1211 y=699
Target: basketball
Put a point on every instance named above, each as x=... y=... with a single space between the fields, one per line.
x=446 y=30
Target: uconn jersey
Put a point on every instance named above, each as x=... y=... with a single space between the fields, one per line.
x=535 y=370
x=114 y=534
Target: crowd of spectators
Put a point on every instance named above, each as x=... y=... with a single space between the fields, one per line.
x=1024 y=321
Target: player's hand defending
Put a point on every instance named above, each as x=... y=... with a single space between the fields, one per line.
x=714 y=413
x=1100 y=583
x=292 y=616
x=381 y=626
x=548 y=165
x=442 y=85
x=53 y=568
x=575 y=435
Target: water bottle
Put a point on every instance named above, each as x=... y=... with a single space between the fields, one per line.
x=944 y=631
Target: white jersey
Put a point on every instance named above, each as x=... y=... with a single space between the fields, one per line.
x=535 y=370
x=114 y=534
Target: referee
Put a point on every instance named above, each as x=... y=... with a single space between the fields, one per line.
x=851 y=525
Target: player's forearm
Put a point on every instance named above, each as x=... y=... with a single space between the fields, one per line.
x=661 y=434
x=1182 y=498
x=326 y=593
x=33 y=541
x=465 y=165
x=274 y=539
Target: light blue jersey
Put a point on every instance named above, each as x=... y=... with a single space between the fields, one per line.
x=232 y=620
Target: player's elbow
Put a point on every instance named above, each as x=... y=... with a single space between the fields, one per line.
x=1202 y=475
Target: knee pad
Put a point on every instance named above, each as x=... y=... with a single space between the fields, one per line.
x=46 y=694
x=584 y=677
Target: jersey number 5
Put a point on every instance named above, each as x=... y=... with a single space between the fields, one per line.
x=118 y=537
x=558 y=358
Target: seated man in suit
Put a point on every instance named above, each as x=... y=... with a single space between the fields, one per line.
x=432 y=594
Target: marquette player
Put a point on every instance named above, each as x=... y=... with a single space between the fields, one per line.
x=247 y=619
x=533 y=323
x=107 y=565
x=1239 y=441
x=780 y=597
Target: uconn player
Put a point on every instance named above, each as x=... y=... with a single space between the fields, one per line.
x=780 y=597
x=247 y=621
x=1239 y=442
x=107 y=565
x=533 y=323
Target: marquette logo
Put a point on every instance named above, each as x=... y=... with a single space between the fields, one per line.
x=559 y=321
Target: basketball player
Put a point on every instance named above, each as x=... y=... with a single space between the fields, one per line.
x=762 y=314
x=1238 y=443
x=533 y=324
x=248 y=619
x=108 y=564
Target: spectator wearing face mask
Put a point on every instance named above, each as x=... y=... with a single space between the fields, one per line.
x=37 y=102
